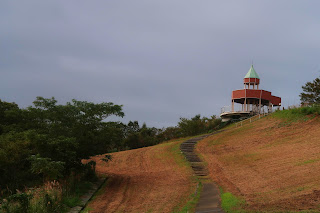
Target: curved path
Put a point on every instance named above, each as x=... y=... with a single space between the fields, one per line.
x=209 y=198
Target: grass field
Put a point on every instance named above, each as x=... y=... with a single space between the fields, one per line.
x=272 y=165
x=151 y=179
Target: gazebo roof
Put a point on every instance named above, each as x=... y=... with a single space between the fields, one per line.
x=252 y=73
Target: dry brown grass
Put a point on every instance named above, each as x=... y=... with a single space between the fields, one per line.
x=271 y=164
x=152 y=179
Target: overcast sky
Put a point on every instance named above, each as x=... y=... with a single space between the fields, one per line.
x=161 y=59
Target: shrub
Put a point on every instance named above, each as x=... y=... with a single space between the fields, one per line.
x=40 y=200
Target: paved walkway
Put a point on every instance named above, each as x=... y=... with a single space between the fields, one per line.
x=209 y=199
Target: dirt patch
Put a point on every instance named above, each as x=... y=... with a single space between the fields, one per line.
x=271 y=164
x=152 y=179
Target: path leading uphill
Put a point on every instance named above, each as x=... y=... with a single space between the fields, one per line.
x=209 y=198
x=272 y=164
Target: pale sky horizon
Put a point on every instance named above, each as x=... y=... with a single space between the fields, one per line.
x=162 y=60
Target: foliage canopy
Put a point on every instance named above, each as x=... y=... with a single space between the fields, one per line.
x=311 y=92
x=48 y=141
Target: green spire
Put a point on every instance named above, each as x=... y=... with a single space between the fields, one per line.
x=252 y=73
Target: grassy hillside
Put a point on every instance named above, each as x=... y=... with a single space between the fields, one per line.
x=151 y=179
x=272 y=164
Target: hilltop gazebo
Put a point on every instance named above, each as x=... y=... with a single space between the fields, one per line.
x=252 y=99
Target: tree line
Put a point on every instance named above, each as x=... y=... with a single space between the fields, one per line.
x=47 y=141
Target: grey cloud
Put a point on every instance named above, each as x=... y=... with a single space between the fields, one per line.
x=160 y=59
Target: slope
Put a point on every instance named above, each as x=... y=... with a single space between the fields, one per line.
x=151 y=179
x=272 y=164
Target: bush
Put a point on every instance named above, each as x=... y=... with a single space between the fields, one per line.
x=198 y=125
x=47 y=141
x=40 y=200
x=50 y=198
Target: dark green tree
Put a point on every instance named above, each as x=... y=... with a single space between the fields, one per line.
x=15 y=149
x=197 y=125
x=137 y=137
x=191 y=126
x=57 y=136
x=311 y=92
x=50 y=170
x=74 y=131
x=10 y=117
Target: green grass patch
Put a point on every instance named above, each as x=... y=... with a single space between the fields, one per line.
x=86 y=210
x=178 y=156
x=297 y=114
x=191 y=204
x=308 y=162
x=299 y=189
x=231 y=203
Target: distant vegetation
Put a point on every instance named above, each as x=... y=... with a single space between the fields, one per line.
x=311 y=92
x=47 y=141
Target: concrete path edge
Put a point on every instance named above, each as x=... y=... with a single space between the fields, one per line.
x=209 y=200
x=88 y=196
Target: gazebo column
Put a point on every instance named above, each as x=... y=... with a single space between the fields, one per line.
x=232 y=108
x=260 y=105
x=245 y=104
x=269 y=108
